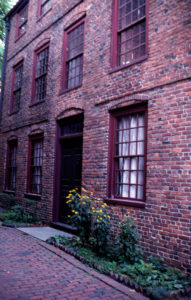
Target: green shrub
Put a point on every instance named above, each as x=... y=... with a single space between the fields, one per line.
x=91 y=219
x=81 y=213
x=128 y=238
x=100 y=229
x=7 y=200
x=18 y=214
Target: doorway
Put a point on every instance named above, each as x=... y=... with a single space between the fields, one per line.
x=69 y=163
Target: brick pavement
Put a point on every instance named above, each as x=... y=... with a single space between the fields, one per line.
x=32 y=269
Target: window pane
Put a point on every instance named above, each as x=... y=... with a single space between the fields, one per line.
x=12 y=166
x=36 y=166
x=45 y=6
x=41 y=75
x=130 y=148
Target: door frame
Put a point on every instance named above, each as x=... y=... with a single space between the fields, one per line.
x=58 y=157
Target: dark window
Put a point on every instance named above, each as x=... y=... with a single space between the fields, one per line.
x=22 y=21
x=41 y=69
x=73 y=60
x=44 y=6
x=11 y=166
x=17 y=85
x=127 y=174
x=35 y=176
x=129 y=30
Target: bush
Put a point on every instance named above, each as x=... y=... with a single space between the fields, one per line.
x=18 y=214
x=92 y=222
x=128 y=238
x=81 y=213
x=7 y=200
x=100 y=229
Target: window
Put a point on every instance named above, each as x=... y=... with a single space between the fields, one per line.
x=128 y=154
x=11 y=166
x=44 y=6
x=73 y=56
x=40 y=74
x=16 y=88
x=129 y=32
x=35 y=165
x=22 y=21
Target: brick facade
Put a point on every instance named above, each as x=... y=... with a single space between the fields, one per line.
x=162 y=81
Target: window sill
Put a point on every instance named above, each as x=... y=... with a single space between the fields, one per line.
x=68 y=90
x=32 y=196
x=41 y=16
x=118 y=68
x=125 y=202
x=20 y=36
x=36 y=103
x=9 y=192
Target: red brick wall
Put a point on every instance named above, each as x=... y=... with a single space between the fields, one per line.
x=163 y=81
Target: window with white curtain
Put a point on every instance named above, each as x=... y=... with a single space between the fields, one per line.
x=127 y=170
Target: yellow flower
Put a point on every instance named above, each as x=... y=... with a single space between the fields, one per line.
x=73 y=211
x=109 y=217
x=83 y=202
x=79 y=195
x=91 y=194
x=97 y=220
x=119 y=223
x=129 y=212
x=98 y=199
x=101 y=210
x=105 y=204
x=76 y=212
x=69 y=216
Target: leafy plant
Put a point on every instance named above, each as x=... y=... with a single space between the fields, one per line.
x=81 y=213
x=158 y=279
x=128 y=238
x=100 y=229
x=7 y=200
x=18 y=214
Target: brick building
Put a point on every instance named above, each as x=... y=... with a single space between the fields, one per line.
x=98 y=94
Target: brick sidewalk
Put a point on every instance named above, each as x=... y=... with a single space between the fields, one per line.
x=31 y=269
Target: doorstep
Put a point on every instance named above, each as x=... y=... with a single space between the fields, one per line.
x=65 y=227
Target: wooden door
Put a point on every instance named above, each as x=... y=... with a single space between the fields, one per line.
x=71 y=169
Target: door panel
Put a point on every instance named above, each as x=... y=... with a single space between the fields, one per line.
x=71 y=169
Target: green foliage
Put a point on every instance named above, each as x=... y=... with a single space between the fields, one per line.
x=128 y=238
x=92 y=222
x=17 y=214
x=100 y=229
x=7 y=200
x=81 y=213
x=157 y=278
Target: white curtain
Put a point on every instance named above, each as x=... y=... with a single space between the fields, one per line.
x=131 y=143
